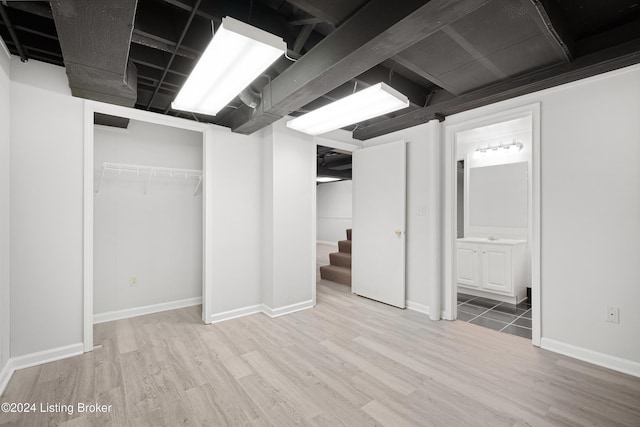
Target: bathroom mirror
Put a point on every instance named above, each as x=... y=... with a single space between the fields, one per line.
x=498 y=195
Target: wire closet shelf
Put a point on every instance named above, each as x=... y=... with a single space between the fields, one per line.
x=150 y=172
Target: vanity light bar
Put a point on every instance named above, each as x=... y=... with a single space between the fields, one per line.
x=511 y=147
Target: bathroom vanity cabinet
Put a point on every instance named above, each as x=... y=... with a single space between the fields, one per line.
x=492 y=268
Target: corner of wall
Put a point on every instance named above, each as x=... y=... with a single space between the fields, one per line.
x=5 y=210
x=37 y=358
x=6 y=372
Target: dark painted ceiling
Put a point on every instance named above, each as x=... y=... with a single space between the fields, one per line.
x=447 y=56
x=333 y=163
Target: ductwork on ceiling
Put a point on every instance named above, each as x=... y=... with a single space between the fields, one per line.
x=95 y=37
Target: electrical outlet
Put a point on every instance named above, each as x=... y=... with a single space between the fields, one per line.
x=133 y=281
x=422 y=211
x=613 y=314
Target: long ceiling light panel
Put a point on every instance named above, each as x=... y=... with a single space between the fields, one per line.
x=236 y=55
x=371 y=102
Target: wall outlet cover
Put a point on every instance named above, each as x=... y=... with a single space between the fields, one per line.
x=613 y=314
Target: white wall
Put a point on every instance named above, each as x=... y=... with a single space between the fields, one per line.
x=590 y=208
x=290 y=156
x=5 y=209
x=156 y=237
x=237 y=220
x=46 y=209
x=267 y=247
x=334 y=210
x=423 y=210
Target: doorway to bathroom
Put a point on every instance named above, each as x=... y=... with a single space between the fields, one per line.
x=492 y=273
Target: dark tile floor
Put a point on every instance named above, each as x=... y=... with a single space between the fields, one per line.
x=503 y=317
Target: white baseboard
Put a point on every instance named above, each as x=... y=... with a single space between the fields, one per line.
x=281 y=311
x=601 y=359
x=420 y=308
x=238 y=312
x=147 y=309
x=5 y=375
x=38 y=358
x=46 y=356
x=260 y=308
x=325 y=242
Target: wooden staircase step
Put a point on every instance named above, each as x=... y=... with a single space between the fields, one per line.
x=341 y=259
x=336 y=274
x=344 y=246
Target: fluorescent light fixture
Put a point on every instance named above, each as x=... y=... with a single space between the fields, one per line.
x=371 y=102
x=326 y=179
x=236 y=55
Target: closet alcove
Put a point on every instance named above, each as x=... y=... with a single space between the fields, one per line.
x=148 y=223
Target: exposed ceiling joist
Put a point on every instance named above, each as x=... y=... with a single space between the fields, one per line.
x=302 y=38
x=39 y=8
x=609 y=37
x=144 y=39
x=189 y=8
x=306 y=21
x=254 y=13
x=154 y=59
x=378 y=31
x=175 y=51
x=589 y=65
x=12 y=32
x=424 y=73
x=333 y=12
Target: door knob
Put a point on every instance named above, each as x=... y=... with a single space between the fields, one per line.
x=398 y=233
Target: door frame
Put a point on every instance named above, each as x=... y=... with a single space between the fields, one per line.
x=341 y=145
x=479 y=119
x=91 y=107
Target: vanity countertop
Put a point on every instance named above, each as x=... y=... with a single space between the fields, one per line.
x=492 y=242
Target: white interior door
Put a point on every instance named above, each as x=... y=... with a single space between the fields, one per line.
x=379 y=215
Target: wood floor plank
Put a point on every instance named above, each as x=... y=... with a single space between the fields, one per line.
x=386 y=416
x=276 y=409
x=347 y=362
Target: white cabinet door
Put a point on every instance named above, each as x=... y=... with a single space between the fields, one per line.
x=496 y=268
x=468 y=265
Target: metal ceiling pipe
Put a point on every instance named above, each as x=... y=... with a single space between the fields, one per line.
x=12 y=33
x=250 y=97
x=95 y=37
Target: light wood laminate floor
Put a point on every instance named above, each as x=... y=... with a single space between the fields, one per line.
x=347 y=362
